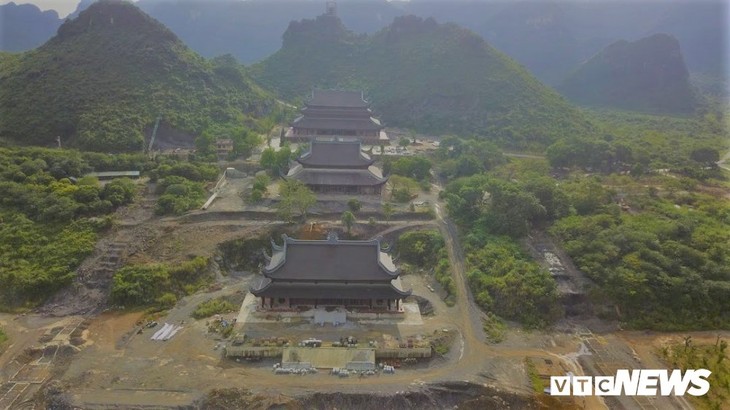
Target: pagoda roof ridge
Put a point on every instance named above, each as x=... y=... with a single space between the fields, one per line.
x=337 y=98
x=335 y=153
x=337 y=176
x=347 y=260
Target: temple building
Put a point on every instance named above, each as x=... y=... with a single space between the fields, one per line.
x=337 y=166
x=329 y=273
x=337 y=113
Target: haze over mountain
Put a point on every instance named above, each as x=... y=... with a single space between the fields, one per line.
x=424 y=75
x=549 y=38
x=108 y=74
x=645 y=75
x=25 y=26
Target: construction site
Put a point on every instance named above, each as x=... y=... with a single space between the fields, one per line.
x=425 y=354
x=80 y=351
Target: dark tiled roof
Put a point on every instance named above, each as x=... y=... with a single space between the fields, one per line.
x=335 y=154
x=337 y=176
x=337 y=123
x=309 y=290
x=336 y=112
x=331 y=260
x=335 y=98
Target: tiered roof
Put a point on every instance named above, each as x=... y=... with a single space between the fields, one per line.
x=329 y=268
x=337 y=98
x=337 y=123
x=336 y=163
x=333 y=153
x=337 y=110
x=337 y=177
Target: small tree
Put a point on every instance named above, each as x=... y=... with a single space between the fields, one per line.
x=275 y=161
x=261 y=182
x=268 y=159
x=348 y=219
x=388 y=211
x=354 y=205
x=404 y=142
x=256 y=196
x=295 y=197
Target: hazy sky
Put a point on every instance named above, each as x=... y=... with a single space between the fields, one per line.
x=63 y=7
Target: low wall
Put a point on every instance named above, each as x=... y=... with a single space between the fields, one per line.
x=277 y=352
x=251 y=351
x=328 y=317
x=296 y=365
x=360 y=366
x=201 y=216
x=404 y=353
x=374 y=315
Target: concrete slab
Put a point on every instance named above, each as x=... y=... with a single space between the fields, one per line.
x=411 y=316
x=328 y=357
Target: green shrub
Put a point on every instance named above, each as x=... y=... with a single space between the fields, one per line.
x=158 y=284
x=354 y=205
x=494 y=328
x=507 y=283
x=167 y=300
x=180 y=195
x=422 y=248
x=212 y=307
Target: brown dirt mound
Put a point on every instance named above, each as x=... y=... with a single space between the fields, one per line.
x=438 y=396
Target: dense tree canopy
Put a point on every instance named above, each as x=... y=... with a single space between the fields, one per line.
x=158 y=284
x=48 y=223
x=103 y=80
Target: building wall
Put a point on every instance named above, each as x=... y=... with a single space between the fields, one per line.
x=292 y=303
x=352 y=133
x=346 y=189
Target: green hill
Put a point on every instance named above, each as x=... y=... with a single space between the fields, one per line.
x=105 y=77
x=646 y=75
x=435 y=78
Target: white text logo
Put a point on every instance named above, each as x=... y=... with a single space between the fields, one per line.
x=644 y=382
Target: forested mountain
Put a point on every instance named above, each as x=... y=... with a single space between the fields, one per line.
x=111 y=66
x=646 y=75
x=424 y=75
x=549 y=38
x=701 y=28
x=25 y=26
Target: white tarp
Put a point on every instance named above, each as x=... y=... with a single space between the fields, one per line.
x=171 y=334
x=161 y=331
